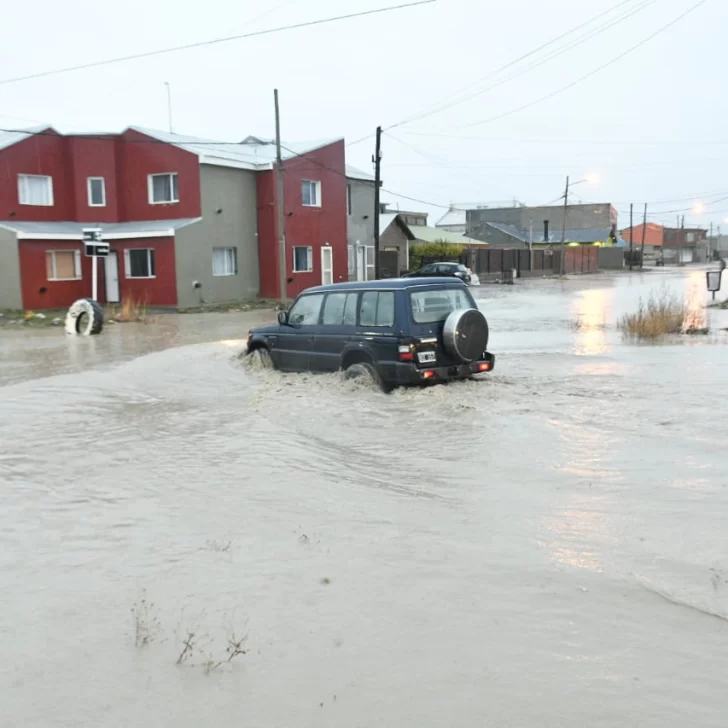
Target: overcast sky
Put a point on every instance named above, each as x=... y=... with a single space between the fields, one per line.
x=651 y=125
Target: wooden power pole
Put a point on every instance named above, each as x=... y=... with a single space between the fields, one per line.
x=281 y=213
x=562 y=262
x=377 y=184
x=631 y=234
x=644 y=232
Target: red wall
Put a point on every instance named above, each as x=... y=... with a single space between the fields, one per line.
x=137 y=157
x=310 y=226
x=159 y=291
x=45 y=154
x=93 y=158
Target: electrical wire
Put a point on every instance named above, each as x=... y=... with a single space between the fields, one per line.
x=214 y=41
x=456 y=101
x=611 y=62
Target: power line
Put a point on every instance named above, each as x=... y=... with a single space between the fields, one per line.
x=591 y=73
x=455 y=101
x=214 y=41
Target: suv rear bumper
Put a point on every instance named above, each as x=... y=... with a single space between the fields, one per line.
x=407 y=373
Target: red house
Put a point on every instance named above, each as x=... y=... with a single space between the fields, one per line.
x=188 y=220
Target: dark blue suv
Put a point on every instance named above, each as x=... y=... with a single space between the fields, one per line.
x=398 y=332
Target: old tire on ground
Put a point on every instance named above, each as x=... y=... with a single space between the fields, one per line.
x=364 y=371
x=465 y=334
x=260 y=358
x=85 y=317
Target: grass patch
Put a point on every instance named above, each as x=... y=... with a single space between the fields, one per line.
x=720 y=304
x=662 y=314
x=131 y=310
x=231 y=307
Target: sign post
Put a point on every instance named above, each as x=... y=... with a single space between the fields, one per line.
x=94 y=248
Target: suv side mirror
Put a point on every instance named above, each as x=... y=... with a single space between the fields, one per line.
x=283 y=318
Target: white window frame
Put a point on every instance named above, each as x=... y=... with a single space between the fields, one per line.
x=310 y=259
x=89 y=181
x=317 y=189
x=49 y=181
x=150 y=188
x=77 y=270
x=127 y=264
x=224 y=252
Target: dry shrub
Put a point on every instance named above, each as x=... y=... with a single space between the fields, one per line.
x=661 y=314
x=132 y=309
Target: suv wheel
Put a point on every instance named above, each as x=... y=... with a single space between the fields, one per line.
x=261 y=359
x=365 y=372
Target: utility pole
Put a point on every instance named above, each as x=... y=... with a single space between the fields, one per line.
x=644 y=232
x=710 y=242
x=563 y=229
x=283 y=280
x=377 y=182
x=682 y=236
x=631 y=234
x=169 y=105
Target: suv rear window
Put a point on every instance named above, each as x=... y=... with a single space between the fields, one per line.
x=433 y=305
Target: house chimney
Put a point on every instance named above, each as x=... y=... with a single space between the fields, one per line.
x=545 y=231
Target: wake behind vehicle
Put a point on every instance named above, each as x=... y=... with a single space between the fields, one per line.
x=399 y=332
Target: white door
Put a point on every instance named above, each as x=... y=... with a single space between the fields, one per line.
x=111 y=277
x=327 y=265
x=361 y=263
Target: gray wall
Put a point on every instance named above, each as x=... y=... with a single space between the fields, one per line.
x=234 y=192
x=10 y=294
x=578 y=216
x=358 y=229
x=395 y=237
x=610 y=258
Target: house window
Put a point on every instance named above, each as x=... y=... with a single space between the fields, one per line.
x=302 y=259
x=139 y=263
x=690 y=237
x=377 y=308
x=348 y=199
x=224 y=261
x=35 y=189
x=163 y=188
x=310 y=193
x=96 y=192
x=63 y=265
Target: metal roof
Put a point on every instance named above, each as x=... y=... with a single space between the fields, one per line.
x=514 y=232
x=252 y=153
x=387 y=284
x=354 y=173
x=387 y=218
x=452 y=217
x=8 y=138
x=428 y=234
x=111 y=230
x=576 y=235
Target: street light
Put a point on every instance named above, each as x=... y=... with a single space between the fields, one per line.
x=590 y=179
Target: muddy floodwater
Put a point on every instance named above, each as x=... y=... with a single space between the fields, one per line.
x=547 y=548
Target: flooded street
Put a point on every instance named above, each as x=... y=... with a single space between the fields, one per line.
x=545 y=549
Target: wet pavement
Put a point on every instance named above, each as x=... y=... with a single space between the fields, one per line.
x=543 y=548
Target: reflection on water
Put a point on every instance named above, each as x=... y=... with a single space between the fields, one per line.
x=426 y=558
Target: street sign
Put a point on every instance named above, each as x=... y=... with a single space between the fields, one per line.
x=96 y=249
x=713 y=280
x=91 y=235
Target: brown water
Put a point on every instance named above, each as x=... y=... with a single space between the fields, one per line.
x=544 y=548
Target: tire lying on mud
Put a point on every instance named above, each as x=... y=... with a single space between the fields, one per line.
x=365 y=373
x=465 y=334
x=85 y=318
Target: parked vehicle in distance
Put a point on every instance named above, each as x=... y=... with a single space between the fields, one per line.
x=457 y=270
x=398 y=332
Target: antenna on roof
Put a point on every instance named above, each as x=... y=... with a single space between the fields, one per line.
x=169 y=105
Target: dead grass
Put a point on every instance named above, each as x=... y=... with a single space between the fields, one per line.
x=131 y=309
x=662 y=314
x=580 y=323
x=146 y=623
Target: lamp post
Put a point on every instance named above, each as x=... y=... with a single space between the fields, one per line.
x=591 y=179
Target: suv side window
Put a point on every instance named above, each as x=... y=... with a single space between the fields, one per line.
x=340 y=309
x=377 y=308
x=306 y=310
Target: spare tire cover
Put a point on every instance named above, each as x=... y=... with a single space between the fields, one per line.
x=85 y=317
x=465 y=334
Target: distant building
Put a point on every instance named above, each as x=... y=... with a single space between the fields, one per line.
x=654 y=237
x=520 y=226
x=360 y=223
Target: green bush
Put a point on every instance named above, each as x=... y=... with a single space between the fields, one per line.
x=438 y=249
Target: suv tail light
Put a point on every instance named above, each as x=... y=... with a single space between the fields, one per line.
x=406 y=351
